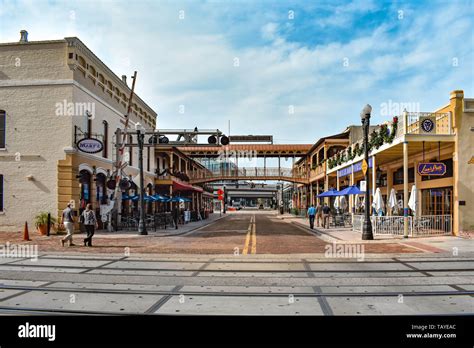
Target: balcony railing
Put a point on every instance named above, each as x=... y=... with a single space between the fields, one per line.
x=435 y=124
x=249 y=172
x=320 y=169
x=411 y=123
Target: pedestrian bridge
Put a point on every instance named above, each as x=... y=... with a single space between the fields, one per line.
x=249 y=173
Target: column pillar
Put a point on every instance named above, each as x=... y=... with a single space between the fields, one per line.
x=389 y=189
x=374 y=178
x=405 y=189
x=418 y=191
x=351 y=200
x=326 y=187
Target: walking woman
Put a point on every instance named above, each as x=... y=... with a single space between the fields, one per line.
x=90 y=224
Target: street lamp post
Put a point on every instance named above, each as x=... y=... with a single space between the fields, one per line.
x=141 y=224
x=367 y=226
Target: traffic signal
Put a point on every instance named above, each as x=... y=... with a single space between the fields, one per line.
x=220 y=194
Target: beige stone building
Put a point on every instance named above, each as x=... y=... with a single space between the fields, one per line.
x=52 y=94
x=410 y=141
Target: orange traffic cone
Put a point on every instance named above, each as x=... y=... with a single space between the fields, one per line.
x=26 y=235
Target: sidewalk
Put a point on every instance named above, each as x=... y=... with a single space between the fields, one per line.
x=433 y=244
x=170 y=231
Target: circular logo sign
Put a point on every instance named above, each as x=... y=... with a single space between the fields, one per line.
x=427 y=125
x=90 y=145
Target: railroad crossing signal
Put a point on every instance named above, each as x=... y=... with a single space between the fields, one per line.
x=220 y=194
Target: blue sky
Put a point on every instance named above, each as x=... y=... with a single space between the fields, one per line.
x=323 y=60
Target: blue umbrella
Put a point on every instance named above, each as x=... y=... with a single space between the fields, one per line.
x=148 y=198
x=160 y=198
x=329 y=193
x=351 y=190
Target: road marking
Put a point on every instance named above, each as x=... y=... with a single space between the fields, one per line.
x=247 y=239
x=251 y=237
x=254 y=236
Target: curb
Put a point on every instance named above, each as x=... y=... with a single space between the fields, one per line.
x=315 y=231
x=194 y=229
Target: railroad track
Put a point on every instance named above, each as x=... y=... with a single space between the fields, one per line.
x=210 y=275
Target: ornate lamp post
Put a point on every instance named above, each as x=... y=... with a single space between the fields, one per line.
x=140 y=138
x=367 y=226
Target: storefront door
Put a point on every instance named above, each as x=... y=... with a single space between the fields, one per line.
x=437 y=201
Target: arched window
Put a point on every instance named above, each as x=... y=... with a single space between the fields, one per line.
x=3 y=128
x=1 y=192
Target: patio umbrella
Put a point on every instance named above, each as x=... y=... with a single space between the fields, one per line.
x=160 y=198
x=392 y=200
x=336 y=202
x=378 y=203
x=329 y=193
x=147 y=198
x=350 y=190
x=413 y=199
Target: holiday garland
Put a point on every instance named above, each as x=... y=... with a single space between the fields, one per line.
x=376 y=139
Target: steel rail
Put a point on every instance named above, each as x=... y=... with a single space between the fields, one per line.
x=238 y=294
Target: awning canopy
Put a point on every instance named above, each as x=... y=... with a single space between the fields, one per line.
x=181 y=186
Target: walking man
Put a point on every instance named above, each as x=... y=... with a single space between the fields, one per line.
x=90 y=224
x=311 y=215
x=67 y=219
x=319 y=215
x=175 y=214
x=326 y=211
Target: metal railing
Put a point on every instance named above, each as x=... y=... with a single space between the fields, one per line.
x=441 y=123
x=390 y=225
x=248 y=172
x=357 y=222
x=432 y=225
x=425 y=225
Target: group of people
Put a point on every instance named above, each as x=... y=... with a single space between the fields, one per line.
x=321 y=214
x=87 y=218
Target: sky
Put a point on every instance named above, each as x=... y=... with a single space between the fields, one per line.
x=297 y=70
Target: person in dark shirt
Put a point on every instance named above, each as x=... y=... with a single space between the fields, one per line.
x=326 y=212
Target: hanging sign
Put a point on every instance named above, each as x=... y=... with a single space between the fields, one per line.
x=90 y=145
x=431 y=168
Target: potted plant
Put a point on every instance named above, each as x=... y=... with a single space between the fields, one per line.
x=41 y=222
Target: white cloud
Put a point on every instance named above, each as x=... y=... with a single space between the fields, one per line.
x=191 y=62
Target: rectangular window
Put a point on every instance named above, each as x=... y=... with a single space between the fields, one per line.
x=130 y=141
x=398 y=176
x=148 y=159
x=3 y=126
x=105 y=139
x=1 y=192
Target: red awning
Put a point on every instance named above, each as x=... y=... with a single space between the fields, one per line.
x=181 y=186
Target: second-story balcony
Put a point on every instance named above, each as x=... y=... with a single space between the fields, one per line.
x=411 y=126
x=317 y=171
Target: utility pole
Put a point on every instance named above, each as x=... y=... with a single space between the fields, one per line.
x=142 y=222
x=120 y=146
